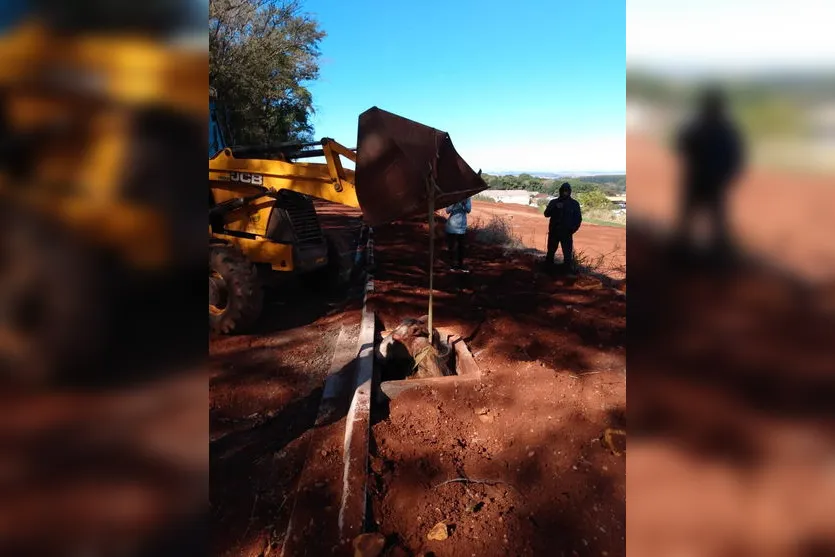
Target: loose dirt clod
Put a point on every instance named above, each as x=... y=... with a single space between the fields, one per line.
x=486 y=418
x=369 y=545
x=607 y=438
x=438 y=532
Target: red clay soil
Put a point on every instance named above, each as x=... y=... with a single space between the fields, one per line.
x=265 y=390
x=785 y=216
x=731 y=423
x=529 y=439
x=730 y=410
x=118 y=469
x=592 y=240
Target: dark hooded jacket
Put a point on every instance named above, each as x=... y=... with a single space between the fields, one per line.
x=565 y=215
x=713 y=155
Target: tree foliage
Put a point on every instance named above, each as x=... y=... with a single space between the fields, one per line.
x=594 y=199
x=262 y=53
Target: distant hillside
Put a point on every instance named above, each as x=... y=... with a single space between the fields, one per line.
x=767 y=106
x=553 y=175
x=794 y=86
x=610 y=184
x=617 y=180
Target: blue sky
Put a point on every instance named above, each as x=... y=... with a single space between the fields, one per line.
x=528 y=85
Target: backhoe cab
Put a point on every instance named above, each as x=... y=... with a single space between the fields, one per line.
x=262 y=219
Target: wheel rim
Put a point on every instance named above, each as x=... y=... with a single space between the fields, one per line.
x=218 y=294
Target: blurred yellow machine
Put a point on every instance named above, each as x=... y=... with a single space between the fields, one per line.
x=96 y=127
x=262 y=219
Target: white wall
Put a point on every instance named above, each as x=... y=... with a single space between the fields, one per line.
x=519 y=197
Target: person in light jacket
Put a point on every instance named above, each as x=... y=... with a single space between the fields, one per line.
x=566 y=218
x=456 y=233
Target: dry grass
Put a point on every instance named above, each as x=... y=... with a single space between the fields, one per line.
x=604 y=263
x=604 y=216
x=498 y=231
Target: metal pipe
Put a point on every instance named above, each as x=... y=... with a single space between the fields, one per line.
x=306 y=154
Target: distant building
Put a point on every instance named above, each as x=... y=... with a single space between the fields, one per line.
x=822 y=122
x=649 y=118
x=619 y=200
x=518 y=197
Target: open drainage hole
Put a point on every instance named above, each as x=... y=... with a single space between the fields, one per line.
x=404 y=353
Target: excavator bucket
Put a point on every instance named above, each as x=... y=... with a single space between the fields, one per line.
x=395 y=158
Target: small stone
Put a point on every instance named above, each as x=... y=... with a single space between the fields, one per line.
x=486 y=418
x=438 y=532
x=530 y=454
x=324 y=452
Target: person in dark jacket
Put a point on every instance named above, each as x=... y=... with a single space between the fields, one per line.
x=566 y=218
x=712 y=155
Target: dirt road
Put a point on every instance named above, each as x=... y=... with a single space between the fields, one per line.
x=593 y=241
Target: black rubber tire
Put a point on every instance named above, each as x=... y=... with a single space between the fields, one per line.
x=244 y=298
x=57 y=315
x=337 y=273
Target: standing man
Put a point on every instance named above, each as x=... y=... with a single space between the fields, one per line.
x=566 y=217
x=456 y=233
x=712 y=151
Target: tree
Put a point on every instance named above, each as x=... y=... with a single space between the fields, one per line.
x=594 y=199
x=262 y=53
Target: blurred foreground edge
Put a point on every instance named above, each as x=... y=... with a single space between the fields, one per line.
x=102 y=145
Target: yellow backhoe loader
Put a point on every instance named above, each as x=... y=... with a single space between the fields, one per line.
x=262 y=220
x=102 y=109
x=102 y=105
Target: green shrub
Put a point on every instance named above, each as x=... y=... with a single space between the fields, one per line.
x=594 y=199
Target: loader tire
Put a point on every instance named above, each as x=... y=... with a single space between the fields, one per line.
x=235 y=294
x=53 y=298
x=337 y=273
